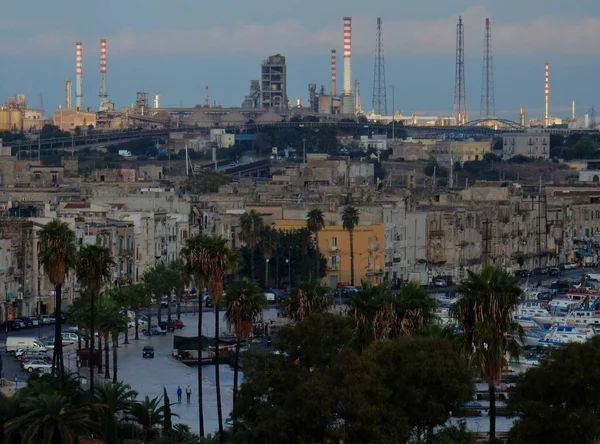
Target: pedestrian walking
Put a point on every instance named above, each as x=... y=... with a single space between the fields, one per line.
x=179 y=393
x=188 y=393
x=269 y=341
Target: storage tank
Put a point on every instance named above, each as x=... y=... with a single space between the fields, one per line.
x=16 y=120
x=325 y=104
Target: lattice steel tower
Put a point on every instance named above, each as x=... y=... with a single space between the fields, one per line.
x=379 y=88
x=460 y=101
x=487 y=109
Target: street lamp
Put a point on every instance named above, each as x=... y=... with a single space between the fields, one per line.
x=287 y=261
x=267 y=274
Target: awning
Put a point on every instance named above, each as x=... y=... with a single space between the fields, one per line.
x=584 y=253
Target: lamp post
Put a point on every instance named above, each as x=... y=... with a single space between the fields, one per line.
x=393 y=112
x=267 y=274
x=289 y=272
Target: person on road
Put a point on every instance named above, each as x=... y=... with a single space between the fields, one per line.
x=269 y=341
x=188 y=393
x=179 y=392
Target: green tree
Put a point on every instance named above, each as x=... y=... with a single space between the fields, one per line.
x=148 y=413
x=215 y=258
x=268 y=245
x=179 y=279
x=117 y=400
x=168 y=417
x=244 y=302
x=138 y=297
x=113 y=321
x=306 y=298
x=350 y=219
x=485 y=313
x=557 y=402
x=93 y=270
x=57 y=256
x=159 y=280
x=251 y=226
x=315 y=222
x=192 y=253
x=425 y=379
x=53 y=419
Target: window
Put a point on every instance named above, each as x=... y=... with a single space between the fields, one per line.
x=334 y=242
x=335 y=260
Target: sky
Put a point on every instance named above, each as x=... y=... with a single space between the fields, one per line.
x=176 y=47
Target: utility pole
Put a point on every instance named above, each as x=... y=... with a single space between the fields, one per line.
x=393 y=112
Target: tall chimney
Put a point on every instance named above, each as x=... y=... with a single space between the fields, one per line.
x=348 y=55
x=573 y=111
x=547 y=96
x=333 y=72
x=522 y=116
x=68 y=93
x=78 y=74
x=103 y=93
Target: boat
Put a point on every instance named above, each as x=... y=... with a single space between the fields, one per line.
x=562 y=334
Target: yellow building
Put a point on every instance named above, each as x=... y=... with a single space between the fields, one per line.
x=469 y=151
x=334 y=244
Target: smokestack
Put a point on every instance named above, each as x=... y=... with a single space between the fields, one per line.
x=78 y=74
x=573 y=111
x=333 y=72
x=103 y=94
x=522 y=116
x=157 y=100
x=68 y=93
x=547 y=96
x=348 y=55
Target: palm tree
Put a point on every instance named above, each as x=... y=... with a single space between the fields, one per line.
x=180 y=279
x=350 y=219
x=244 y=301
x=93 y=271
x=315 y=222
x=138 y=297
x=112 y=321
x=306 y=298
x=117 y=398
x=192 y=254
x=216 y=260
x=268 y=244
x=57 y=255
x=148 y=413
x=156 y=279
x=53 y=419
x=251 y=225
x=485 y=313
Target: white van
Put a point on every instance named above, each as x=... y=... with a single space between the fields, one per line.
x=14 y=343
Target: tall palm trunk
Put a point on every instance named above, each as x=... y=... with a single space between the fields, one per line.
x=106 y=365
x=169 y=308
x=252 y=262
x=178 y=306
x=266 y=273
x=126 y=341
x=58 y=363
x=236 y=367
x=351 y=232
x=136 y=326
x=218 y=375
x=200 y=407
x=92 y=339
x=492 y=393
x=317 y=255
x=100 y=350
x=115 y=346
x=159 y=313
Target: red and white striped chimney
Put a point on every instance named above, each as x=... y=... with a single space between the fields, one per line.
x=103 y=94
x=102 y=56
x=348 y=55
x=333 y=72
x=78 y=74
x=547 y=96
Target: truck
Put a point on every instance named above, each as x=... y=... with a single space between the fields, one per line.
x=15 y=343
x=125 y=153
x=421 y=277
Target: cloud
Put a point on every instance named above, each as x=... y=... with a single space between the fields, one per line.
x=545 y=34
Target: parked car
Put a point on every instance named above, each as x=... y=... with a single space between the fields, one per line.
x=69 y=338
x=25 y=321
x=164 y=301
x=30 y=354
x=154 y=330
x=554 y=271
x=47 y=319
x=570 y=265
x=148 y=352
x=49 y=345
x=440 y=283
x=16 y=324
x=35 y=322
x=168 y=326
x=540 y=271
x=177 y=323
x=36 y=365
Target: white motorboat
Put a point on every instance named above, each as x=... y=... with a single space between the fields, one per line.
x=562 y=334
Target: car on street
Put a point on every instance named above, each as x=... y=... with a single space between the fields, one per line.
x=148 y=352
x=440 y=283
x=554 y=271
x=69 y=338
x=35 y=322
x=49 y=345
x=29 y=354
x=167 y=326
x=154 y=330
x=47 y=319
x=570 y=265
x=540 y=271
x=48 y=359
x=36 y=365
x=164 y=301
x=25 y=321
x=177 y=323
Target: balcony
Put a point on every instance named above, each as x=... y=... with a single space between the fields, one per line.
x=373 y=247
x=333 y=267
x=333 y=248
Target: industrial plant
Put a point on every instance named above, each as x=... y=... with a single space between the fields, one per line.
x=269 y=101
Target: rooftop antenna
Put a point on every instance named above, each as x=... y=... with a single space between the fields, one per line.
x=487 y=81
x=460 y=101
x=379 y=88
x=206 y=101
